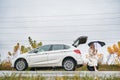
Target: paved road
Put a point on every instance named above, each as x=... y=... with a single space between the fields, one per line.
x=61 y=73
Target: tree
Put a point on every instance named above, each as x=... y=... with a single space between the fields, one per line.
x=34 y=43
x=114 y=51
x=23 y=49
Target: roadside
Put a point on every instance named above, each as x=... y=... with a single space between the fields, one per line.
x=59 y=75
x=102 y=67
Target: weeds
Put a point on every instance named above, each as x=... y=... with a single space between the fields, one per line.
x=76 y=77
x=103 y=67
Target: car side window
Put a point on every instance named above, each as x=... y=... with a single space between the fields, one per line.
x=57 y=47
x=41 y=49
x=50 y=47
x=44 y=48
x=66 y=47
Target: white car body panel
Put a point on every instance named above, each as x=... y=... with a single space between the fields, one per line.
x=49 y=58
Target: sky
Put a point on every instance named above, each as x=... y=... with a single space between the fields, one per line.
x=58 y=21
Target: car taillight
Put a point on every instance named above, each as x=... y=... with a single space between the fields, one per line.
x=77 y=51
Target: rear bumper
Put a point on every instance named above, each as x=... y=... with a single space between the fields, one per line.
x=80 y=62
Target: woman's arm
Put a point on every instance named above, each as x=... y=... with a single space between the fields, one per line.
x=95 y=51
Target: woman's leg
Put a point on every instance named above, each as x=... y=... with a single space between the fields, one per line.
x=95 y=64
x=95 y=68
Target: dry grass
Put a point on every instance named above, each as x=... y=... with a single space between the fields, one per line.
x=14 y=77
x=103 y=67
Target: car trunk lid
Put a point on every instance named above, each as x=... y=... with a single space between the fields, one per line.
x=80 y=40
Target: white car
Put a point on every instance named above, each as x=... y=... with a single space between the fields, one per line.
x=51 y=55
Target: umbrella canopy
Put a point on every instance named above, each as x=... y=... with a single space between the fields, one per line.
x=99 y=42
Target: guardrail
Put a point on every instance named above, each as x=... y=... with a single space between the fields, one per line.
x=61 y=73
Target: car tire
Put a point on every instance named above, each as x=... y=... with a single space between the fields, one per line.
x=69 y=64
x=20 y=65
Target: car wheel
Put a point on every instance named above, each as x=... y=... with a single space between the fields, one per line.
x=69 y=64
x=21 y=65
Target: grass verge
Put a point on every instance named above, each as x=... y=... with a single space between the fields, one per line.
x=103 y=67
x=14 y=77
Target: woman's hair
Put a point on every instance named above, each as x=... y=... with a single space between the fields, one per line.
x=92 y=45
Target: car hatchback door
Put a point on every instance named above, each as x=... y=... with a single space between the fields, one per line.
x=80 y=40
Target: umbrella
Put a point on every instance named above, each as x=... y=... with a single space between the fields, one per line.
x=99 y=42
